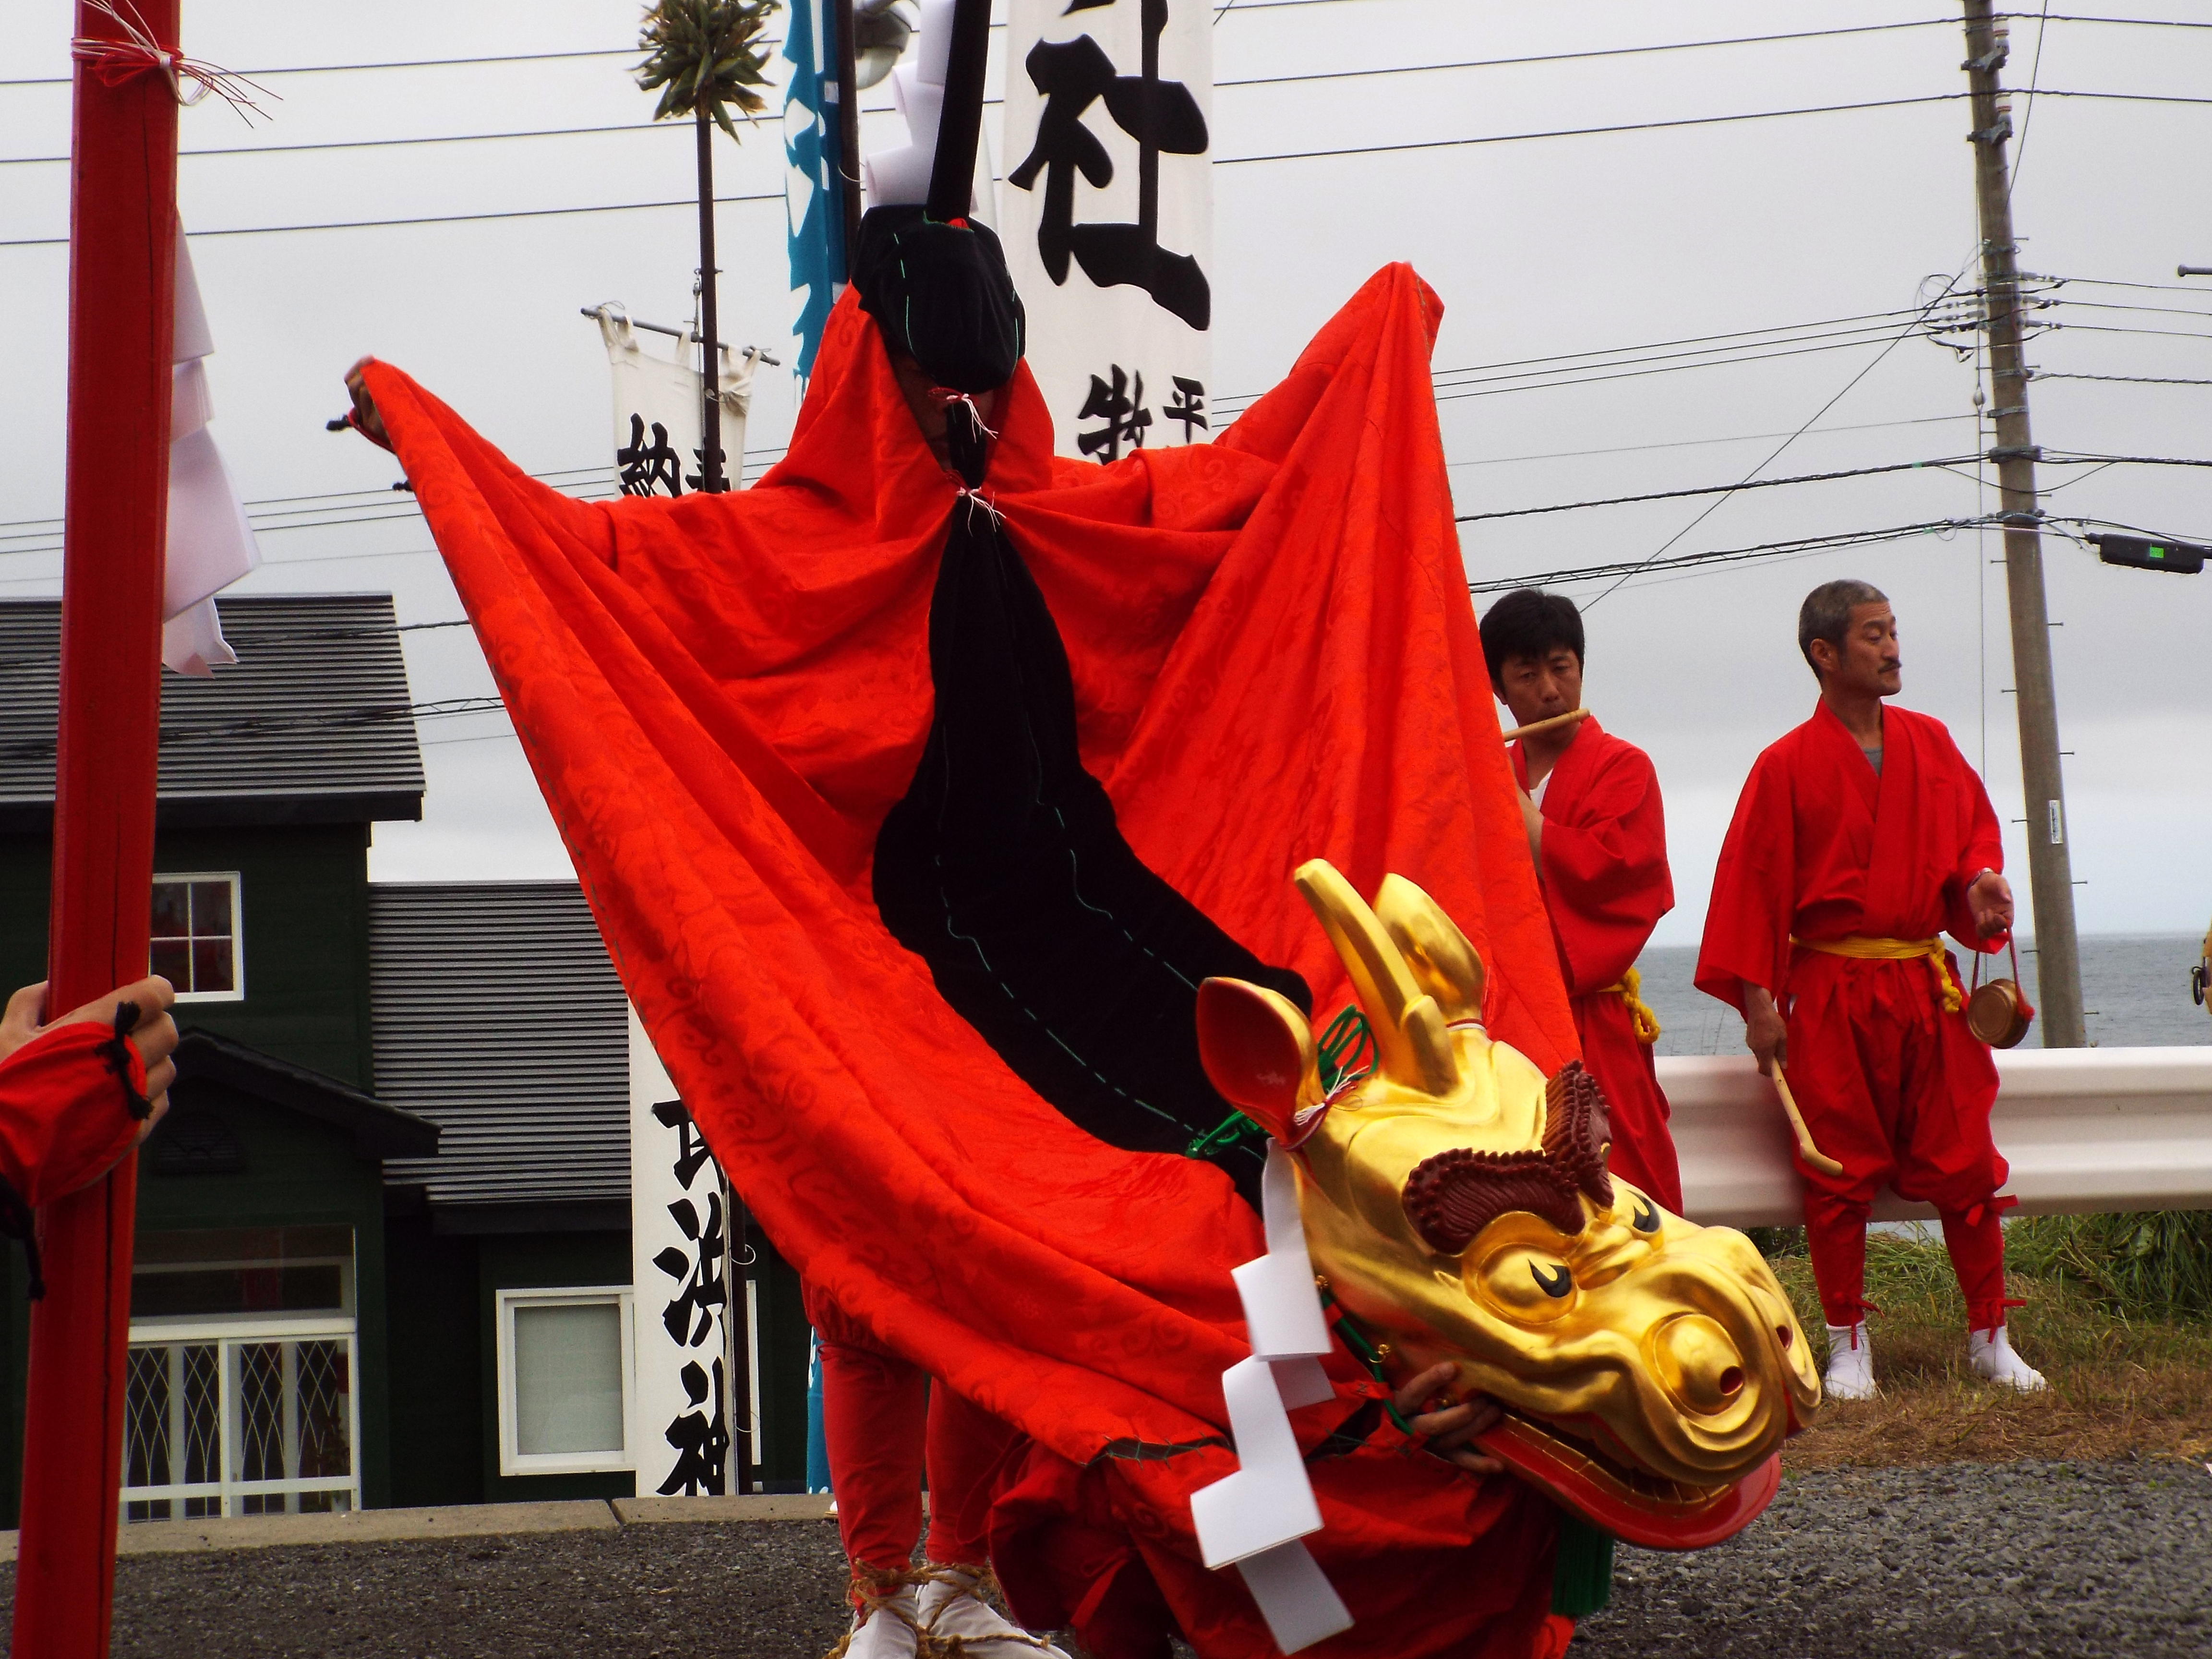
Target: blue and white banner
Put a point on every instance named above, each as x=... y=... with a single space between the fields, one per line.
x=813 y=203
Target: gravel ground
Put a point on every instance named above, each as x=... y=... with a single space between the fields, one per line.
x=2021 y=1559
x=2073 y=1560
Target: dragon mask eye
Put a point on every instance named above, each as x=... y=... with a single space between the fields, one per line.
x=1645 y=1219
x=1526 y=1283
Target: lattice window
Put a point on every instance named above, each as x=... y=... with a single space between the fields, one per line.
x=243 y=1422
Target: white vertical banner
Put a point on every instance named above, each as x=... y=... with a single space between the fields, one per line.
x=1108 y=216
x=680 y=1407
x=659 y=406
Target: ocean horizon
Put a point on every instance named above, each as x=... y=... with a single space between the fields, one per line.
x=2135 y=993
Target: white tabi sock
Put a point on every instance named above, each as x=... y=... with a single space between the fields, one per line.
x=953 y=1605
x=890 y=1630
x=1849 y=1375
x=1994 y=1361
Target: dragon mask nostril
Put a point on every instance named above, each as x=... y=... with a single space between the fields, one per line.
x=1698 y=1363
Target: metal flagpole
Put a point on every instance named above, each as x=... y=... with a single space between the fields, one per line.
x=710 y=421
x=848 y=130
x=123 y=231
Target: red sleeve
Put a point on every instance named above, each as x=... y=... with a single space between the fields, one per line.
x=1984 y=850
x=1754 y=890
x=1605 y=873
x=65 y=1116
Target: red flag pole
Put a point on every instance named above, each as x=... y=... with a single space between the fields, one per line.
x=123 y=229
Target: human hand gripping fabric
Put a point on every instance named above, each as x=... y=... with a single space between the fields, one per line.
x=363 y=418
x=154 y=1034
x=1451 y=1430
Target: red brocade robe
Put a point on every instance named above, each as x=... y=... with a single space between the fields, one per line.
x=65 y=1113
x=1275 y=659
x=1606 y=885
x=1892 y=1086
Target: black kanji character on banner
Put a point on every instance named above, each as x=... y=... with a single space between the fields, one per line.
x=701 y=1441
x=641 y=468
x=1160 y=115
x=701 y=1290
x=1187 y=405
x=699 y=459
x=692 y=1153
x=1122 y=410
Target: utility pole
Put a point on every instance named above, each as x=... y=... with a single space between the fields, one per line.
x=2050 y=870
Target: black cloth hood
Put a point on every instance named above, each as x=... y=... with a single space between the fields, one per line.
x=941 y=293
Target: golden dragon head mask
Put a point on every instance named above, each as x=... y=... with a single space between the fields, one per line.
x=1458 y=1204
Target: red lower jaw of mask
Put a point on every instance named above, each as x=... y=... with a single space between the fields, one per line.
x=1636 y=1508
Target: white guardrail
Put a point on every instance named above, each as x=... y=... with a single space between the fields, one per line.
x=2085 y=1130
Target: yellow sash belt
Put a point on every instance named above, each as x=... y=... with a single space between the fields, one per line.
x=1629 y=988
x=1863 y=949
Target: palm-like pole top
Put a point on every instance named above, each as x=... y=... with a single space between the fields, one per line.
x=705 y=52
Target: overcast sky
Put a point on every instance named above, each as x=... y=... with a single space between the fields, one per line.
x=1538 y=248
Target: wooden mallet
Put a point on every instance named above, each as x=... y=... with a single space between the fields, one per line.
x=1806 y=1150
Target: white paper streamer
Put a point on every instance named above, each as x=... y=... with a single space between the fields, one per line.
x=1255 y=1517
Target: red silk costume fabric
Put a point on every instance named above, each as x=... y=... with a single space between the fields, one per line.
x=63 y=1122
x=1275 y=659
x=1606 y=884
x=1892 y=1086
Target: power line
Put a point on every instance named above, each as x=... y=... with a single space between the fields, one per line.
x=1723 y=489
x=2077 y=458
x=335 y=720
x=1702 y=443
x=1877 y=360
x=2123 y=380
x=291 y=637
x=1225 y=160
x=1793 y=329
x=431 y=219
x=1624 y=568
x=1588 y=132
x=1478 y=390
x=1577 y=57
x=389 y=144
x=2149 y=288
x=1778 y=334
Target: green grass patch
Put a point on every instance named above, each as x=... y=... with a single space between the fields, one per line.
x=2124 y=1381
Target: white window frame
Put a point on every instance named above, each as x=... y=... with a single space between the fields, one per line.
x=237 y=994
x=512 y=1461
x=227 y=1335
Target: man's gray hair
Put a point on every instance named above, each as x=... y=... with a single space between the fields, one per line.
x=1827 y=613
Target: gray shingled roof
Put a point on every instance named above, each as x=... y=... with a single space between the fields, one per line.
x=496 y=1014
x=311 y=726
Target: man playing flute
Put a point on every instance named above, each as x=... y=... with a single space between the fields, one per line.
x=1859 y=837
x=1599 y=837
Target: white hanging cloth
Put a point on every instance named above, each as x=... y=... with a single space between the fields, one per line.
x=211 y=543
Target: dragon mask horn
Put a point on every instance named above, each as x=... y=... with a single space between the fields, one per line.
x=1409 y=1028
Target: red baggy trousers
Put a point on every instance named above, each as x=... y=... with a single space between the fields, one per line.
x=1898 y=1091
x=884 y=1423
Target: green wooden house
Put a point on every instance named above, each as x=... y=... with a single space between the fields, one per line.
x=384 y=1233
